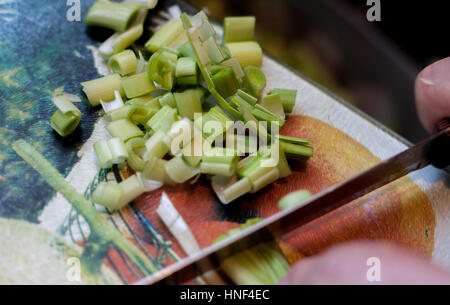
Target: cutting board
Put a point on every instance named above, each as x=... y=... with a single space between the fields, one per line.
x=43 y=54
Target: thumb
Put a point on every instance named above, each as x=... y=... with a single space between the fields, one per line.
x=433 y=94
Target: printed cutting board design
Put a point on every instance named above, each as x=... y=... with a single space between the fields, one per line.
x=42 y=54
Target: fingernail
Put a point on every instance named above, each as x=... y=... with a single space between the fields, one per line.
x=427 y=82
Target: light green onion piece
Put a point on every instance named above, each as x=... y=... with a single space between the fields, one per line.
x=146 y=100
x=223 y=103
x=248 y=53
x=238 y=102
x=189 y=102
x=124 y=130
x=149 y=4
x=294 y=199
x=123 y=63
x=169 y=35
x=247 y=97
x=255 y=80
x=288 y=98
x=142 y=114
x=117 y=103
x=156 y=146
x=179 y=171
x=163 y=119
x=108 y=195
x=225 y=82
x=167 y=99
x=186 y=71
x=213 y=50
x=293 y=140
x=180 y=135
x=196 y=49
x=242 y=144
x=260 y=181
x=263 y=264
x=118 y=42
x=234 y=63
x=193 y=152
x=186 y=50
x=229 y=189
x=218 y=169
x=67 y=118
x=201 y=23
x=254 y=126
x=274 y=104
x=221 y=155
x=161 y=68
x=283 y=165
x=102 y=89
x=137 y=85
x=263 y=114
x=132 y=188
x=110 y=152
x=238 y=29
x=112 y=15
x=136 y=148
x=155 y=169
x=121 y=113
x=294 y=151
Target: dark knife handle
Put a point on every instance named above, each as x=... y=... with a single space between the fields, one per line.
x=439 y=151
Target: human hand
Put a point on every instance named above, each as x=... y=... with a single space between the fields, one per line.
x=347 y=263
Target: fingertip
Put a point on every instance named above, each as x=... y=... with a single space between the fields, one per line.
x=432 y=92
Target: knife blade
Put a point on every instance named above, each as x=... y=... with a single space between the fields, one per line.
x=435 y=150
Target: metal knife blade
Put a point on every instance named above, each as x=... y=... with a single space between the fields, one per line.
x=434 y=150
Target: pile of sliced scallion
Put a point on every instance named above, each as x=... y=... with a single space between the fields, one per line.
x=174 y=117
x=175 y=114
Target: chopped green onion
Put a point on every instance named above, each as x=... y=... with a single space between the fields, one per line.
x=201 y=22
x=146 y=100
x=263 y=264
x=102 y=89
x=110 y=152
x=296 y=151
x=67 y=118
x=223 y=103
x=247 y=97
x=283 y=165
x=186 y=71
x=238 y=102
x=135 y=148
x=219 y=161
x=180 y=135
x=112 y=15
x=117 y=103
x=132 y=189
x=186 y=50
x=274 y=104
x=234 y=63
x=218 y=169
x=149 y=4
x=108 y=195
x=124 y=112
x=137 y=85
x=168 y=99
x=149 y=185
x=157 y=146
x=161 y=68
x=293 y=140
x=263 y=114
x=229 y=189
x=288 y=98
x=118 y=42
x=155 y=169
x=124 y=130
x=193 y=152
x=254 y=126
x=225 y=82
x=238 y=29
x=163 y=119
x=123 y=63
x=189 y=102
x=169 y=35
x=248 y=53
x=179 y=171
x=294 y=199
x=196 y=49
x=242 y=144
x=255 y=80
x=260 y=181
x=213 y=50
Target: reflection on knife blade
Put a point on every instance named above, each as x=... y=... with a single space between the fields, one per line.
x=435 y=150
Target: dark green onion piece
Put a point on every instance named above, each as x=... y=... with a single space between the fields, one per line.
x=288 y=98
x=225 y=82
